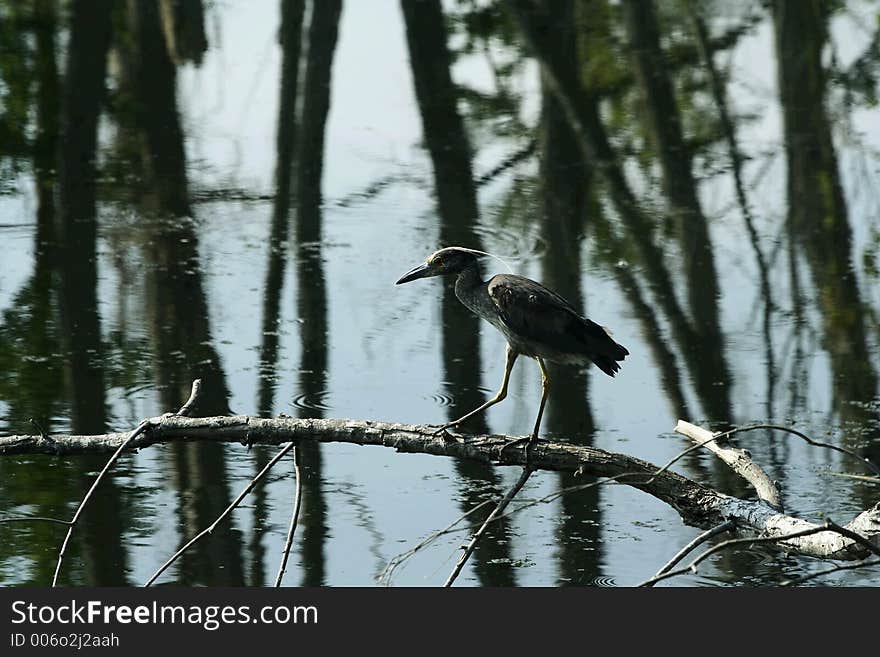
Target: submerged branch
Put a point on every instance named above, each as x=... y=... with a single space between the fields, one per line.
x=498 y=510
x=128 y=442
x=294 y=518
x=210 y=528
x=784 y=540
x=694 y=544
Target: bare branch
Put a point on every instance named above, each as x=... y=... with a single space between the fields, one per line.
x=82 y=505
x=195 y=539
x=396 y=561
x=546 y=499
x=526 y=473
x=847 y=475
x=821 y=573
x=194 y=393
x=698 y=505
x=141 y=428
x=815 y=443
x=699 y=540
x=294 y=516
x=724 y=526
x=737 y=459
x=688 y=497
x=34 y=519
x=829 y=526
x=858 y=538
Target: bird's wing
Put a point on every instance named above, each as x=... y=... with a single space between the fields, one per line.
x=532 y=311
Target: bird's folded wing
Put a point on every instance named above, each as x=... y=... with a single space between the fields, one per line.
x=532 y=311
x=535 y=313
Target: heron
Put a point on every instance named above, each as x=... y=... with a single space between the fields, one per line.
x=537 y=322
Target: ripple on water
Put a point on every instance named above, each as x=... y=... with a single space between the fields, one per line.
x=313 y=401
x=603 y=581
x=442 y=399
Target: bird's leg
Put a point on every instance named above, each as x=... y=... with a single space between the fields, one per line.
x=545 y=392
x=502 y=393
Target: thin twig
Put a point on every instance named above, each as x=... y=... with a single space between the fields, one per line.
x=847 y=475
x=527 y=471
x=82 y=505
x=294 y=517
x=247 y=489
x=815 y=443
x=675 y=459
x=143 y=426
x=828 y=526
x=39 y=428
x=45 y=436
x=699 y=540
x=692 y=567
x=194 y=393
x=828 y=571
x=394 y=562
x=35 y=519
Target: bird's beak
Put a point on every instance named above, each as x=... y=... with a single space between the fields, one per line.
x=422 y=271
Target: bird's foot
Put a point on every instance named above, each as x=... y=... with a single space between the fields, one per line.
x=447 y=437
x=442 y=430
x=529 y=441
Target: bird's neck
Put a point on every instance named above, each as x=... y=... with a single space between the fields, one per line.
x=469 y=284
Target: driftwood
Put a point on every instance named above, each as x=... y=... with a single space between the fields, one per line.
x=698 y=505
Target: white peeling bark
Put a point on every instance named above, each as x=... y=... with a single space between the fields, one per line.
x=738 y=460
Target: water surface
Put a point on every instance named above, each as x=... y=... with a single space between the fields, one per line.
x=253 y=199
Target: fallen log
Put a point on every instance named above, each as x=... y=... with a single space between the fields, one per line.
x=698 y=505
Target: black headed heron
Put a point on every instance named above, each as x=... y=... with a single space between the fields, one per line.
x=536 y=321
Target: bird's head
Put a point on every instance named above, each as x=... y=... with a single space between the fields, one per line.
x=451 y=260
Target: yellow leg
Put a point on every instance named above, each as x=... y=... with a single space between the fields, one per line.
x=545 y=391
x=502 y=393
x=533 y=439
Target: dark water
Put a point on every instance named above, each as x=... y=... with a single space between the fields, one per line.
x=230 y=192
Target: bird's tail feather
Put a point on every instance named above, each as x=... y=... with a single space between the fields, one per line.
x=600 y=347
x=606 y=364
x=607 y=361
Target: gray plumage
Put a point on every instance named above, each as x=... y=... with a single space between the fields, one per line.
x=536 y=321
x=540 y=323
